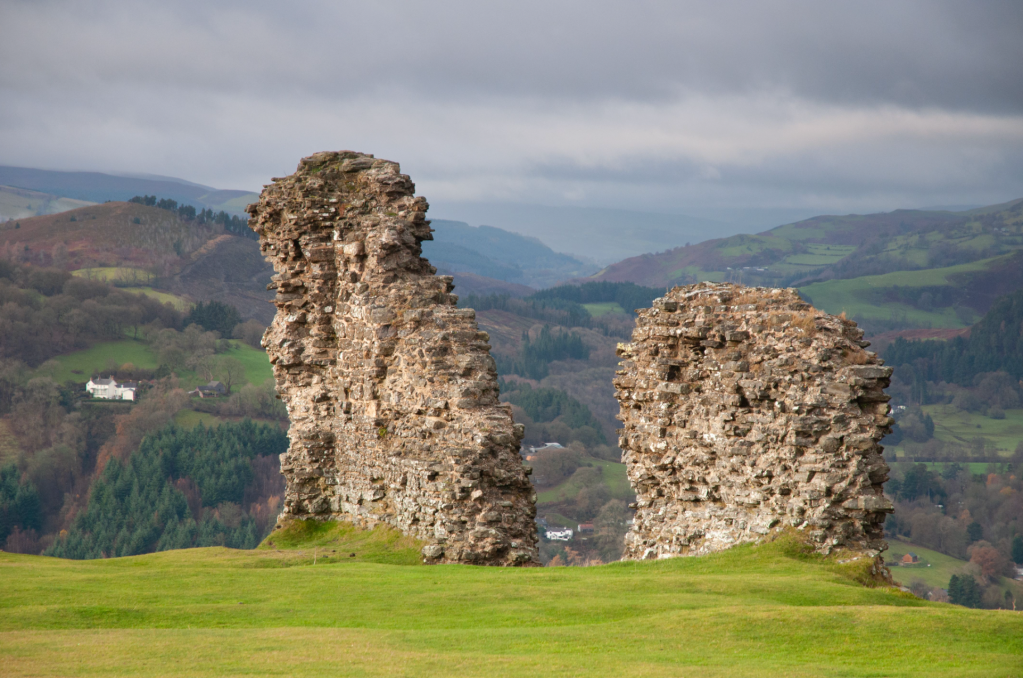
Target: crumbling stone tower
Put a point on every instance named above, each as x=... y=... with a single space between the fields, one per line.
x=747 y=410
x=391 y=389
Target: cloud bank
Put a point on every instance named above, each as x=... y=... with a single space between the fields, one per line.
x=656 y=106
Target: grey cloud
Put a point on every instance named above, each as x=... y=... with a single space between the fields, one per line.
x=663 y=106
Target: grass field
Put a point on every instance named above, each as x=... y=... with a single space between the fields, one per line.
x=255 y=360
x=113 y=273
x=604 y=307
x=614 y=478
x=79 y=366
x=853 y=296
x=953 y=425
x=934 y=569
x=752 y=611
x=180 y=303
x=190 y=419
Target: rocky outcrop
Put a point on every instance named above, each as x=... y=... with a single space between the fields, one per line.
x=746 y=410
x=390 y=388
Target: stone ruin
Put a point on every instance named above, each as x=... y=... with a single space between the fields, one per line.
x=390 y=388
x=746 y=410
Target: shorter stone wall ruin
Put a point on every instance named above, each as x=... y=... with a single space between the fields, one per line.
x=390 y=387
x=746 y=410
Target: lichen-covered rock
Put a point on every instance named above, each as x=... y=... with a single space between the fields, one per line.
x=746 y=410
x=390 y=388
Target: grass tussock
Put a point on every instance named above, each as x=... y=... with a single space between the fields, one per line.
x=299 y=541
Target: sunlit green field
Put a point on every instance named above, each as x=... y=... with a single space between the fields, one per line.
x=934 y=569
x=613 y=476
x=752 y=611
x=852 y=296
x=954 y=425
x=79 y=366
x=598 y=309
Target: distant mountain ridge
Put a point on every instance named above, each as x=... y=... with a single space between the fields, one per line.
x=499 y=254
x=98 y=187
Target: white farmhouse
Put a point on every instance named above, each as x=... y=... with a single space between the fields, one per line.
x=559 y=535
x=109 y=389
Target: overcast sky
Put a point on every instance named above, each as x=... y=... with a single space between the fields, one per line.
x=676 y=107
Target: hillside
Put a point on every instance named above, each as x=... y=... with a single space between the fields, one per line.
x=333 y=606
x=499 y=254
x=20 y=203
x=98 y=187
x=896 y=270
x=149 y=248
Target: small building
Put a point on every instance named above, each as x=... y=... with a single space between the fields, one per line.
x=563 y=534
x=213 y=389
x=585 y=527
x=910 y=558
x=110 y=389
x=544 y=447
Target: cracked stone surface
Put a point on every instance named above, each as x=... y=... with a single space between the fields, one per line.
x=390 y=388
x=746 y=410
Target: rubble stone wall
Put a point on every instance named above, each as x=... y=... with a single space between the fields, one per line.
x=390 y=388
x=746 y=410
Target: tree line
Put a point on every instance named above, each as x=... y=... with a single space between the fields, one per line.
x=231 y=223
x=182 y=488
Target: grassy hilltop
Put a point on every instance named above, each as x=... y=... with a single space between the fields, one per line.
x=314 y=608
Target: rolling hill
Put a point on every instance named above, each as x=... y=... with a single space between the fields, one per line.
x=499 y=254
x=897 y=270
x=147 y=247
x=98 y=187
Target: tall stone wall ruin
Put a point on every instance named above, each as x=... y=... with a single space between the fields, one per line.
x=746 y=410
x=390 y=388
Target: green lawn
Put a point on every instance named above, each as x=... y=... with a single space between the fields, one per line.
x=934 y=568
x=599 y=309
x=751 y=611
x=614 y=478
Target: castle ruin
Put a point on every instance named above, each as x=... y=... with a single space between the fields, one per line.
x=390 y=387
x=746 y=410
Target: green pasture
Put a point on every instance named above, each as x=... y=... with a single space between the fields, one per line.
x=819 y=255
x=769 y=610
x=954 y=425
x=255 y=360
x=180 y=303
x=79 y=366
x=974 y=467
x=853 y=296
x=613 y=475
x=112 y=273
x=190 y=419
x=934 y=569
x=598 y=309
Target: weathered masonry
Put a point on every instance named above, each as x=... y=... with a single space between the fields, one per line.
x=391 y=389
x=746 y=410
